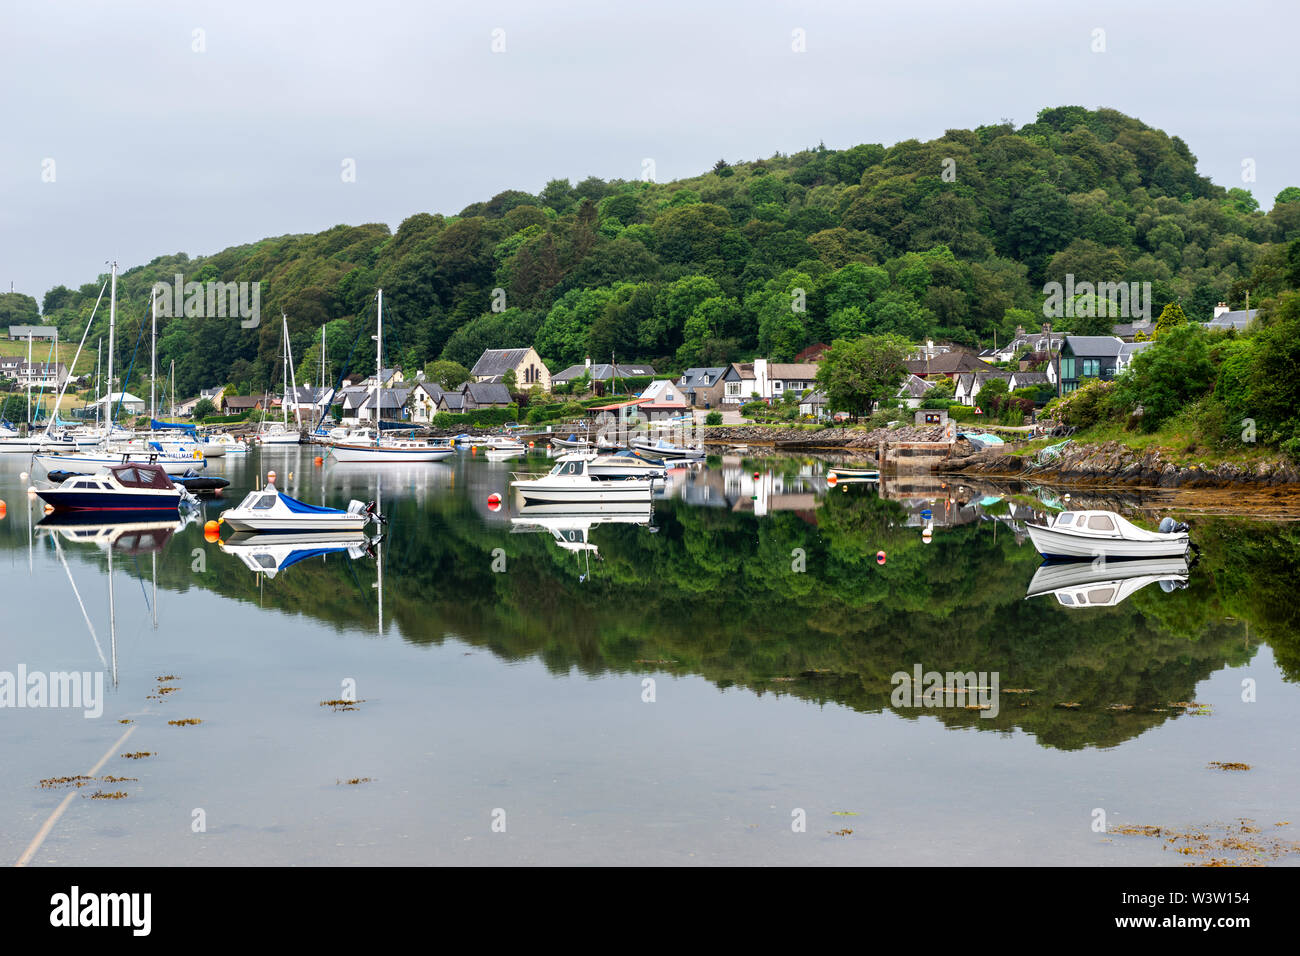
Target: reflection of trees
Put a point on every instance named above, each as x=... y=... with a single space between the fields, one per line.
x=714 y=592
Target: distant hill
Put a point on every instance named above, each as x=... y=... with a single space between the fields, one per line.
x=948 y=239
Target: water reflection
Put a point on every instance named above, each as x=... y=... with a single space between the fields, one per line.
x=269 y=554
x=570 y=525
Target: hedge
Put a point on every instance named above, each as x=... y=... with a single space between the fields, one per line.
x=961 y=413
x=224 y=419
x=480 y=416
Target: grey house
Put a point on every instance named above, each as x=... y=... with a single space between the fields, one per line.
x=1088 y=356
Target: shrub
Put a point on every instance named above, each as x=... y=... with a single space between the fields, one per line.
x=713 y=418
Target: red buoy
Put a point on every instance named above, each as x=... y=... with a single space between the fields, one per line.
x=494 y=501
x=880 y=557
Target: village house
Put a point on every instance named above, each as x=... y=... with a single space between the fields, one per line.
x=1124 y=358
x=1042 y=343
x=912 y=391
x=663 y=399
x=814 y=404
x=1225 y=318
x=1087 y=356
x=34 y=332
x=1019 y=380
x=527 y=365
x=600 y=375
x=968 y=386
x=392 y=405
x=40 y=374
x=703 y=387
x=739 y=384
x=422 y=403
x=121 y=401
x=239 y=404
x=948 y=364
x=472 y=396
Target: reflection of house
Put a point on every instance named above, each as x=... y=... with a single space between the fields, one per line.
x=527 y=365
x=1087 y=356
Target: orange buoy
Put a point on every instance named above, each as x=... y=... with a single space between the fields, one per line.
x=49 y=509
x=4 y=508
x=831 y=479
x=212 y=531
x=530 y=444
x=270 y=477
x=473 y=450
x=318 y=461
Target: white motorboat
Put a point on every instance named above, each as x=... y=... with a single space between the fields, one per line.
x=1104 y=584
x=502 y=454
x=270 y=510
x=572 y=442
x=278 y=433
x=571 y=526
x=625 y=465
x=121 y=487
x=269 y=554
x=571 y=481
x=228 y=444
x=1093 y=534
x=92 y=461
x=505 y=443
x=392 y=449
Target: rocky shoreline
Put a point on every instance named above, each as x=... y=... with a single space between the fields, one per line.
x=1113 y=463
x=821 y=438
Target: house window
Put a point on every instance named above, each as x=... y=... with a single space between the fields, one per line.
x=733 y=388
x=1067 y=367
x=1091 y=368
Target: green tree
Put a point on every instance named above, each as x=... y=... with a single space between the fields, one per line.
x=449 y=375
x=203 y=409
x=856 y=373
x=1171 y=316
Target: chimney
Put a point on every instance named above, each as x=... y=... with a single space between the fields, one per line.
x=1047 y=328
x=1020 y=330
x=1219 y=309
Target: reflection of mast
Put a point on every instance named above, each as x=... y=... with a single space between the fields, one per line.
x=112 y=615
x=379 y=551
x=154 y=558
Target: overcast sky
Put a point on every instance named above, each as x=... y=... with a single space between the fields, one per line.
x=158 y=149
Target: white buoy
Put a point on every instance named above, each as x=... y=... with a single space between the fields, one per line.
x=22 y=476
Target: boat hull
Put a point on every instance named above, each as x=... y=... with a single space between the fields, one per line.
x=1060 y=545
x=372 y=453
x=296 y=525
x=141 y=502
x=91 y=463
x=594 y=492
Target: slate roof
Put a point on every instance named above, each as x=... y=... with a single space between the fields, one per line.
x=1232 y=320
x=455 y=401
x=497 y=361
x=802 y=371
x=601 y=372
x=913 y=387
x=388 y=398
x=486 y=393
x=1094 y=346
x=694 y=378
x=947 y=363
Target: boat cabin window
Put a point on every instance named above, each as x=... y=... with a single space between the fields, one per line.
x=568 y=468
x=1067 y=518
x=1065 y=599
x=1101 y=595
x=1100 y=523
x=142 y=477
x=265 y=502
x=265 y=560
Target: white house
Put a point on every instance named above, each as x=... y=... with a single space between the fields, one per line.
x=129 y=403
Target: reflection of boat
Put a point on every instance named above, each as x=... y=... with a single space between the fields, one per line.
x=270 y=554
x=121 y=487
x=146 y=533
x=570 y=481
x=839 y=473
x=270 y=510
x=571 y=525
x=502 y=454
x=1087 y=534
x=1102 y=584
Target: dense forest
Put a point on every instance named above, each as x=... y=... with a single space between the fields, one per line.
x=950 y=239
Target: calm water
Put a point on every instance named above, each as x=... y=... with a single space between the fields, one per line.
x=502 y=674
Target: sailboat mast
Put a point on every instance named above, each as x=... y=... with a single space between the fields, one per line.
x=284 y=336
x=153 y=358
x=379 y=362
x=29 y=381
x=112 y=329
x=99 y=358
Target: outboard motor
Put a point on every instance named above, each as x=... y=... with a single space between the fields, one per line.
x=1170 y=526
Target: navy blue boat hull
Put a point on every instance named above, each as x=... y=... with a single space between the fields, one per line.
x=111 y=501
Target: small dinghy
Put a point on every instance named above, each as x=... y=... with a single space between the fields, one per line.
x=572 y=442
x=198 y=484
x=1092 y=534
x=271 y=511
x=666 y=451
